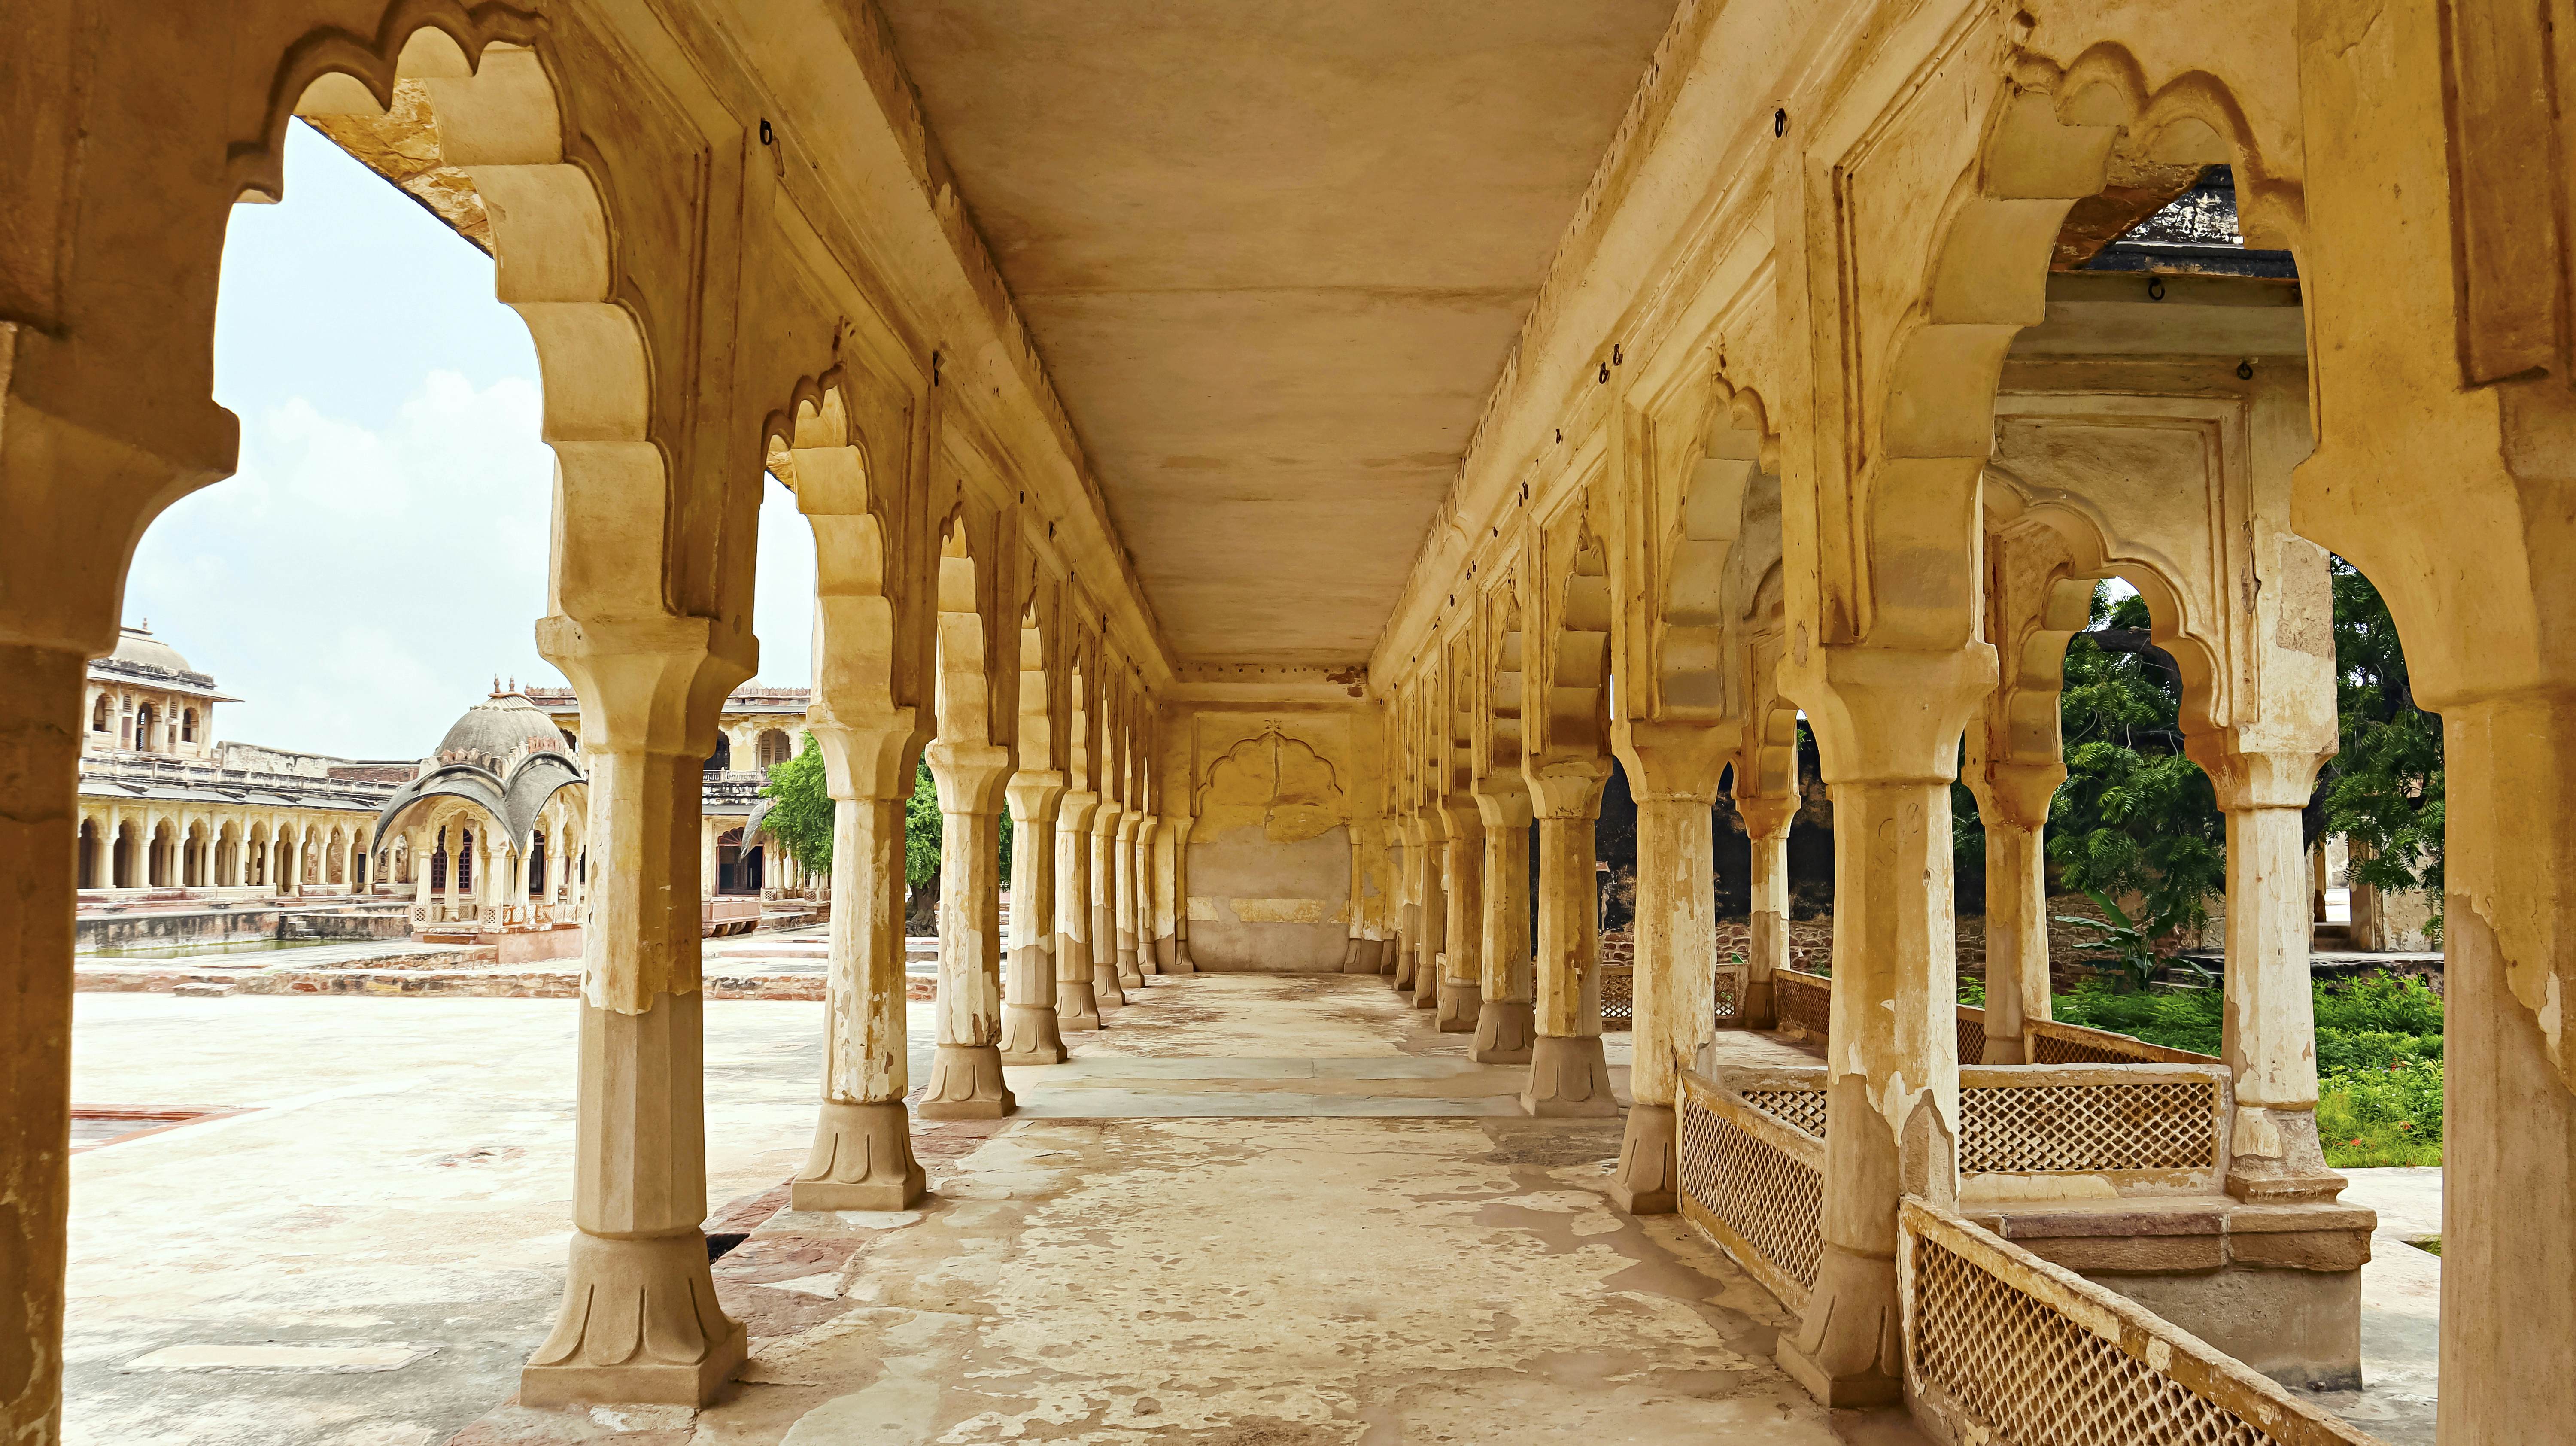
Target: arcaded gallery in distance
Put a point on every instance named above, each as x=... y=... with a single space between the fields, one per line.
x=1492 y=597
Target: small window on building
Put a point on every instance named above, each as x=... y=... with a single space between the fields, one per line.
x=773 y=748
x=188 y=726
x=100 y=716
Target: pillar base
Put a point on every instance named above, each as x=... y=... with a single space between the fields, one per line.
x=2276 y=1159
x=1460 y=1006
x=1168 y=958
x=1569 y=1076
x=1846 y=1352
x=1504 y=1029
x=1105 y=987
x=1362 y=958
x=639 y=1325
x=1031 y=1035
x=1076 y=1007
x=1189 y=964
x=1646 y=1181
x=2002 y=1050
x=1754 y=1007
x=862 y=1160
x=966 y=1084
x=1130 y=974
x=1426 y=984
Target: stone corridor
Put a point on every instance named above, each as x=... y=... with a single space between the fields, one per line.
x=1254 y=1209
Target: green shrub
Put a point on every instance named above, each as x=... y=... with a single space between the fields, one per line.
x=2385 y=1115
x=2177 y=1019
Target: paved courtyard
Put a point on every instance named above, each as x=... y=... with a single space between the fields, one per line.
x=1257 y=1209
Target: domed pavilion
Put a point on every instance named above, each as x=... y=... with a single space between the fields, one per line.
x=494 y=823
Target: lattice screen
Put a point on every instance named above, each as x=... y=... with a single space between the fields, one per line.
x=1773 y=1202
x=1972 y=1036
x=2028 y=1128
x=2027 y=1373
x=2056 y=1049
x=1807 y=1004
x=1798 y=1109
x=1618 y=996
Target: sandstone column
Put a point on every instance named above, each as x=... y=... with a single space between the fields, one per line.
x=41 y=718
x=1462 y=927
x=1569 y=1074
x=1674 y=770
x=1104 y=905
x=2269 y=1034
x=639 y=1319
x=1031 y=1033
x=2012 y=801
x=1172 y=906
x=422 y=899
x=862 y=1156
x=1408 y=870
x=1505 y=1015
x=707 y=871
x=1077 y=1007
x=1433 y=941
x=1130 y=973
x=1888 y=723
x=966 y=1072
x=1766 y=824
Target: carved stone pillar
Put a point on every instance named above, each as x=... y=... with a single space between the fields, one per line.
x=1172 y=909
x=1406 y=856
x=1462 y=989
x=1432 y=889
x=1077 y=1007
x=966 y=1071
x=1569 y=1074
x=2269 y=1035
x=639 y=1319
x=2012 y=800
x=1131 y=973
x=862 y=1156
x=1031 y=1031
x=1105 y=983
x=1766 y=823
x=1506 y=1020
x=1674 y=771
x=1888 y=723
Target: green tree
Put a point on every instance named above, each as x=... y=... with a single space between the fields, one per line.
x=922 y=833
x=2135 y=815
x=2383 y=790
x=801 y=810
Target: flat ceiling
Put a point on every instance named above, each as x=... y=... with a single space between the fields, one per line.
x=1274 y=255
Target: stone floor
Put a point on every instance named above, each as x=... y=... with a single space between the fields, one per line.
x=1256 y=1209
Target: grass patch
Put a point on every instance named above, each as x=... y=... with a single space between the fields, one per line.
x=2379 y=1058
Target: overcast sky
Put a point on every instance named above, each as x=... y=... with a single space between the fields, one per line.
x=382 y=552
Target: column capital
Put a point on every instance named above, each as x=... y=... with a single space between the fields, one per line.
x=1567 y=787
x=2244 y=780
x=1889 y=715
x=868 y=757
x=1104 y=819
x=651 y=685
x=1034 y=796
x=1767 y=816
x=1461 y=815
x=1503 y=800
x=971 y=776
x=1676 y=760
x=1073 y=810
x=2017 y=794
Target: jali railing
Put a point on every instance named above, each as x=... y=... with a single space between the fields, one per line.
x=1805 y=1005
x=2003 y=1346
x=1755 y=1185
x=1619 y=996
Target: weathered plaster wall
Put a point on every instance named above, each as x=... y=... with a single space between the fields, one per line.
x=1275 y=794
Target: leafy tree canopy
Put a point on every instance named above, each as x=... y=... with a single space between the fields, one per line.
x=2135 y=816
x=2383 y=790
x=800 y=811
